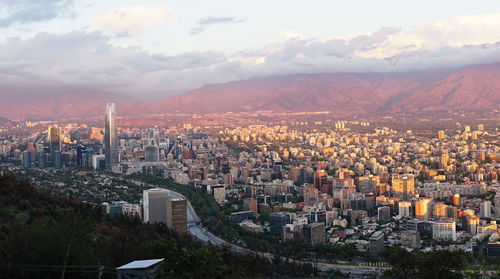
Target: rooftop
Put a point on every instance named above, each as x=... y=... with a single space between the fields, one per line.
x=140 y=264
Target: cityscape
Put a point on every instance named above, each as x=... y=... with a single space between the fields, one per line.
x=271 y=169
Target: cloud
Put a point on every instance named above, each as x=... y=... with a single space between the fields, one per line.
x=291 y=34
x=90 y=60
x=28 y=11
x=202 y=23
x=133 y=20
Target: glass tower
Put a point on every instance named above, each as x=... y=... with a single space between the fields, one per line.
x=110 y=137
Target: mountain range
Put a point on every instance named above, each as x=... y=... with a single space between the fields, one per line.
x=472 y=88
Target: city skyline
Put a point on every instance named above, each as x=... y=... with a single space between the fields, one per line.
x=260 y=139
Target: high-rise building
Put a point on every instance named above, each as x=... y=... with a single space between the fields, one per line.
x=404 y=209
x=42 y=159
x=320 y=177
x=403 y=186
x=384 y=214
x=471 y=223
x=27 y=159
x=155 y=205
x=497 y=205
x=110 y=137
x=367 y=184
x=422 y=209
x=151 y=153
x=219 y=193
x=277 y=221
x=250 y=204
x=54 y=139
x=81 y=151
x=376 y=243
x=58 y=160
x=441 y=135
x=455 y=200
x=177 y=214
x=485 y=209
x=314 y=233
x=440 y=210
x=444 y=230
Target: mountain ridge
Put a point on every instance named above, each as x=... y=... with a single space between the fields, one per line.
x=347 y=94
x=473 y=88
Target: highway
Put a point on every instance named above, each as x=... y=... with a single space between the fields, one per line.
x=200 y=233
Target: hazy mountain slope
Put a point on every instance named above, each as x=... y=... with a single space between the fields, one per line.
x=472 y=88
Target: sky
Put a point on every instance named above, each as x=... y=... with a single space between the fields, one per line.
x=155 y=49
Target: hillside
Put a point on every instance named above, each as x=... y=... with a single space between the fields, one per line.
x=471 y=88
x=41 y=228
x=4 y=122
x=56 y=105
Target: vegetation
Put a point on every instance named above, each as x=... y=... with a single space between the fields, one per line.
x=441 y=264
x=43 y=228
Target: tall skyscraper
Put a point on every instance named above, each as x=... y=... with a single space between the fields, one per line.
x=110 y=137
x=54 y=138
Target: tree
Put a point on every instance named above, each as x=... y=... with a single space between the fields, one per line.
x=404 y=263
x=442 y=264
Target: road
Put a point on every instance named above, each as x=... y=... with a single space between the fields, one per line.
x=196 y=230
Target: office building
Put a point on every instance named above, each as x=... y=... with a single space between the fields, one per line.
x=124 y=208
x=493 y=248
x=441 y=135
x=376 y=242
x=241 y=216
x=384 y=214
x=81 y=153
x=367 y=184
x=98 y=161
x=58 y=160
x=422 y=209
x=440 y=211
x=410 y=239
x=110 y=137
x=455 y=200
x=177 y=214
x=250 y=204
x=54 y=139
x=314 y=233
x=320 y=177
x=27 y=159
x=485 y=209
x=219 y=193
x=470 y=224
x=277 y=221
x=403 y=186
x=155 y=205
x=151 y=153
x=444 y=230
x=42 y=159
x=404 y=208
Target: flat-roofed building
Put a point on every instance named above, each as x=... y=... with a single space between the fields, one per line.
x=177 y=214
